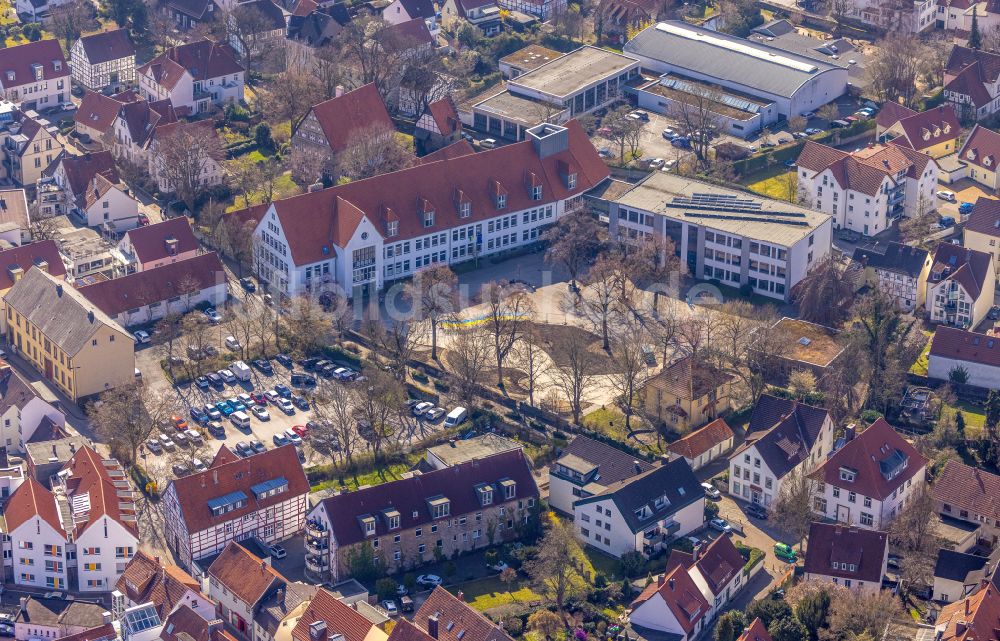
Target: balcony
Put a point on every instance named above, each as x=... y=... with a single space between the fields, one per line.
x=317 y=545
x=896 y=197
x=317 y=563
x=316 y=528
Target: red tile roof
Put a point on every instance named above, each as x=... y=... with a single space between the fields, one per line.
x=719 y=562
x=457 y=621
x=932 y=127
x=88 y=474
x=864 y=171
x=686 y=381
x=105 y=632
x=969 y=82
x=202 y=60
x=970 y=488
x=185 y=277
x=409 y=496
x=107 y=46
x=974 y=618
x=968 y=267
x=98 y=111
x=29 y=500
x=985 y=217
x=80 y=170
x=312 y=222
x=454 y=150
x=223 y=456
x=957 y=344
x=27 y=256
x=246 y=575
x=891 y=113
x=830 y=543
x=21 y=59
x=406 y=631
x=702 y=440
x=340 y=117
x=150 y=242
x=339 y=617
x=184 y=624
x=986 y=64
x=149 y=580
x=142 y=118
x=981 y=148
x=680 y=594
x=875 y=456
x=445 y=115
x=194 y=491
x=755 y=632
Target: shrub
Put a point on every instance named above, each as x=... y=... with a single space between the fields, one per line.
x=420 y=377
x=631 y=564
x=514 y=626
x=236 y=112
x=711 y=510
x=262 y=135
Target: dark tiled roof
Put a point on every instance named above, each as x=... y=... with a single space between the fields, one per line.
x=673 y=480
x=893 y=257
x=184 y=624
x=958 y=566
x=829 y=543
x=248 y=577
x=719 y=562
x=273 y=17
x=457 y=621
x=613 y=464
x=417 y=8
x=985 y=217
x=98 y=111
x=688 y=380
x=790 y=430
x=203 y=60
x=413 y=33
x=981 y=148
x=276 y=607
x=149 y=580
x=107 y=46
x=59 y=612
x=967 y=267
x=891 y=113
x=932 y=127
x=80 y=170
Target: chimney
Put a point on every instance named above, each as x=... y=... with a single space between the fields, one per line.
x=339 y=91
x=171 y=245
x=638 y=468
x=317 y=630
x=451 y=442
x=42 y=264
x=53 y=449
x=215 y=477
x=432 y=625
x=214 y=625
x=460 y=595
x=967 y=608
x=15 y=272
x=90 y=315
x=59 y=290
x=24 y=602
x=661 y=579
x=850 y=432
x=106 y=617
x=263 y=566
x=72 y=446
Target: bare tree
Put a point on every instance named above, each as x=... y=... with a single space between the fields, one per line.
x=380 y=397
x=250 y=28
x=529 y=355
x=825 y=294
x=335 y=410
x=375 y=150
x=127 y=416
x=556 y=567
x=306 y=325
x=631 y=372
x=195 y=330
x=573 y=242
x=573 y=374
x=307 y=164
x=508 y=310
x=434 y=291
x=182 y=157
x=697 y=114
x=290 y=94
x=241 y=325
x=792 y=511
x=374 y=51
x=264 y=321
x=893 y=67
x=917 y=229
x=623 y=131
x=397 y=340
x=469 y=354
x=859 y=615
x=68 y=21
x=603 y=288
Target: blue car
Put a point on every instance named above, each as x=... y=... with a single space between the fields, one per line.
x=965 y=208
x=225 y=408
x=237 y=405
x=199 y=414
x=283 y=390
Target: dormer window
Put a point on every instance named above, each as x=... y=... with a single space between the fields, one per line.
x=501 y=201
x=10 y=76
x=509 y=488
x=536 y=192
x=947 y=128
x=39 y=71
x=428 y=219
x=485 y=493
x=971 y=154
x=392 y=519
x=660 y=502
x=367 y=524
x=847 y=475
x=57 y=65
x=439 y=506
x=987 y=161
x=392 y=228
x=464 y=210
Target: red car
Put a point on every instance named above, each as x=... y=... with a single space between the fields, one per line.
x=301 y=430
x=179 y=423
x=258 y=398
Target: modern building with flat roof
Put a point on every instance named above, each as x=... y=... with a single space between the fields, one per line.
x=735 y=237
x=795 y=83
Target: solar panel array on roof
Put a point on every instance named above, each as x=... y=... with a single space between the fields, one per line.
x=141 y=618
x=729 y=100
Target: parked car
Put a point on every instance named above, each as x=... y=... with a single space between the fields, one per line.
x=946 y=195
x=167 y=443
x=499 y=566
x=264 y=367
x=813 y=130
x=965 y=208
x=233 y=344
x=808 y=114
x=261 y=413
x=246 y=399
x=721 y=525
x=756 y=511
x=141 y=337
x=202 y=382
x=301 y=430
x=420 y=408
x=641 y=115
x=237 y=405
x=301 y=402
x=785 y=552
x=434 y=414
x=213 y=412
x=285 y=360
x=258 y=446
x=710 y=491
x=994 y=313
x=227 y=376
x=303 y=380
x=225 y=408
x=199 y=414
x=215 y=379
x=217 y=429
x=213 y=316
x=154 y=446
x=247 y=284
x=194 y=436
x=271 y=396
x=279 y=440
x=243 y=449
x=292 y=437
x=277 y=551
x=344 y=373
x=180 y=423
x=179 y=470
x=286 y=406
x=283 y=390
x=429 y=580
x=258 y=398
x=309 y=364
x=390 y=608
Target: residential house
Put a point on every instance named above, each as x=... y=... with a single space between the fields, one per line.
x=170 y=241
x=108 y=205
x=310 y=29
x=15 y=221
x=687 y=394
x=896 y=269
x=645 y=513
x=194 y=76
x=264 y=496
x=134 y=127
x=934 y=132
x=484 y=14
x=587 y=467
x=65 y=182
x=43 y=254
x=84 y=251
x=620 y=17
x=855 y=558
x=704 y=445
x=95 y=118
x=980 y=153
x=805 y=346
x=869 y=480
x=971 y=618
x=104 y=60
x=211 y=169
x=187 y=14
x=44 y=458
x=23 y=411
x=439 y=126
x=956 y=15
x=414 y=520
x=960 y=286
x=54 y=618
x=30 y=149
x=185 y=624
x=35 y=75
x=756 y=631
x=783 y=437
x=869 y=189
x=969 y=494
x=674 y=604
x=915 y=17
x=66 y=338
x=281 y=609
x=541 y=9
x=327 y=615
x=148 y=580
x=971 y=82
x=329 y=126
x=458 y=451
x=400 y=11
x=446 y=617
x=982 y=229
x=390 y=226
x=80 y=534
x=959 y=574
x=268 y=22
x=977 y=354
x=149 y=295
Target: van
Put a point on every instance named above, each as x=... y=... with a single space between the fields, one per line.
x=487 y=143
x=240 y=420
x=456 y=417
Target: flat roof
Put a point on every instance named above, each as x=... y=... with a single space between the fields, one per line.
x=572 y=72
x=679 y=93
x=517 y=108
x=699 y=203
x=531 y=57
x=462 y=450
x=809 y=342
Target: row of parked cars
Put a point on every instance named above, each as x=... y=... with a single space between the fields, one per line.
x=427 y=411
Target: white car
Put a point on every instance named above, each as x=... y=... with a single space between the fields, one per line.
x=499 y=566
x=167 y=443
x=227 y=376
x=390 y=607
x=944 y=194
x=721 y=525
x=271 y=396
x=429 y=580
x=154 y=446
x=710 y=491
x=261 y=413
x=808 y=114
x=277 y=551
x=813 y=130
x=232 y=343
x=213 y=316
x=434 y=414
x=292 y=437
x=656 y=163
x=141 y=337
x=285 y=405
x=420 y=408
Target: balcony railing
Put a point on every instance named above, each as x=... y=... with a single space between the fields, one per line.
x=317 y=563
x=317 y=545
x=315 y=528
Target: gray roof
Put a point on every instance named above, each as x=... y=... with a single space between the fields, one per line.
x=54 y=612
x=894 y=257
x=613 y=464
x=274 y=608
x=462 y=450
x=728 y=58
x=60 y=312
x=62 y=449
x=14 y=390
x=790 y=430
x=674 y=479
x=958 y=566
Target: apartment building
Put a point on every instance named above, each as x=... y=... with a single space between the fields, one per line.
x=960 y=286
x=415 y=520
x=66 y=338
x=869 y=189
x=966 y=493
x=239 y=582
x=687 y=394
x=355 y=237
x=30 y=146
x=43 y=254
x=35 y=75
x=79 y=535
x=870 y=479
x=262 y=496
x=790 y=437
x=104 y=60
x=194 y=77
x=587 y=466
x=151 y=246
x=898 y=270
x=23 y=412
x=148 y=580
x=134 y=126
x=723 y=234
x=211 y=171
x=848 y=556
x=64 y=183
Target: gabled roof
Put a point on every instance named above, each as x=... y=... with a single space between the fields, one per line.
x=185 y=277
x=412 y=33
x=680 y=594
x=60 y=612
x=32 y=499
x=967 y=267
x=969 y=82
x=105 y=632
x=26 y=256
x=81 y=170
x=613 y=465
x=14 y=390
x=406 y=631
x=457 y=620
x=416 y=8
x=981 y=148
x=21 y=60
x=339 y=617
x=194 y=491
x=193 y=8
x=456 y=149
x=891 y=113
x=60 y=312
x=107 y=46
x=688 y=380
x=985 y=63
x=141 y=118
x=969 y=488
x=445 y=115
x=865 y=170
x=963 y=567
x=893 y=257
x=673 y=481
x=356 y=110
x=410 y=496
x=98 y=111
x=313 y=222
x=789 y=430
x=98 y=188
x=100 y=482
x=246 y=575
x=203 y=60
x=14 y=208
x=880 y=458
x=273 y=17
x=718 y=563
x=184 y=624
x=702 y=440
x=148 y=580
x=932 y=127
x=985 y=217
x=831 y=543
x=150 y=242
x=755 y=632
x=974 y=618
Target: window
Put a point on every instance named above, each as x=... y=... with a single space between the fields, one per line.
x=392 y=228
x=536 y=192
x=501 y=201
x=124 y=552
x=866 y=519
x=428 y=219
x=422 y=548
x=92 y=567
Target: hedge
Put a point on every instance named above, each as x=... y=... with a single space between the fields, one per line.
x=791 y=151
x=752 y=555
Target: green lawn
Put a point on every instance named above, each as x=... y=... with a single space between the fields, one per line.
x=377 y=477
x=284 y=187
x=607 y=420
x=920 y=366
x=491 y=592
x=778 y=182
x=974 y=416
x=598 y=561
